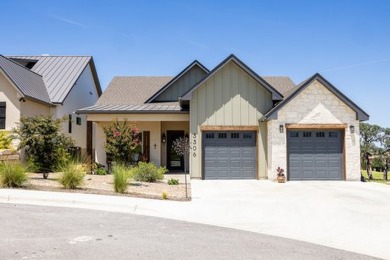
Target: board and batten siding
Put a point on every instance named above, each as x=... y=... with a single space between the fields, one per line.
x=182 y=85
x=230 y=97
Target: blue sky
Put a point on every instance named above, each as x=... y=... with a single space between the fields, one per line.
x=346 y=41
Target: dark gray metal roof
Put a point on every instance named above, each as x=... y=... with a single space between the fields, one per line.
x=29 y=83
x=59 y=73
x=360 y=113
x=151 y=108
x=131 y=90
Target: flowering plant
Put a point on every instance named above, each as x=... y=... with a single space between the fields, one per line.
x=280 y=172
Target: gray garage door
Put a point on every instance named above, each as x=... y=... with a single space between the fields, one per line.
x=315 y=155
x=229 y=155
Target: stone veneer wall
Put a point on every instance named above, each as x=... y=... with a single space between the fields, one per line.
x=314 y=105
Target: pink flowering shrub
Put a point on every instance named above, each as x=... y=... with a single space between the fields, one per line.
x=122 y=141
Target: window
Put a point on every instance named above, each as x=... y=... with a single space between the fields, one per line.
x=247 y=136
x=2 y=115
x=70 y=124
x=333 y=134
x=222 y=135
x=234 y=135
x=294 y=134
x=306 y=134
x=78 y=120
x=320 y=134
x=209 y=135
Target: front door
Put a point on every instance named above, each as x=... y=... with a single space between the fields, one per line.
x=175 y=162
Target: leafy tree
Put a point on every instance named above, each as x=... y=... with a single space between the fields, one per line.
x=182 y=147
x=370 y=135
x=122 y=141
x=46 y=147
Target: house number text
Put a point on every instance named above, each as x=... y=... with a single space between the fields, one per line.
x=194 y=145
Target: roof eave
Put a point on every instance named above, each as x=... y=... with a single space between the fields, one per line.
x=131 y=112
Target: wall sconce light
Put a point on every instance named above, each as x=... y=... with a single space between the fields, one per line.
x=163 y=138
x=155 y=146
x=281 y=129
x=352 y=129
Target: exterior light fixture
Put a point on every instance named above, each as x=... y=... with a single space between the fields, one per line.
x=163 y=138
x=155 y=146
x=352 y=129
x=281 y=129
x=186 y=136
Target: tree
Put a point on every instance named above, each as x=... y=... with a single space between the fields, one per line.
x=182 y=148
x=369 y=137
x=122 y=141
x=385 y=151
x=46 y=147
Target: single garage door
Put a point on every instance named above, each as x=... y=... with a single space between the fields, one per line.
x=229 y=155
x=315 y=155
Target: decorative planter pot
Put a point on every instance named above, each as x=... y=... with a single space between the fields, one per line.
x=281 y=179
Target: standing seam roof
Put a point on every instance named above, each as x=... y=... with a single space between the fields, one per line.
x=30 y=84
x=59 y=73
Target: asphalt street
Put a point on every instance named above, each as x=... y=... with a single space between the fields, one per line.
x=38 y=232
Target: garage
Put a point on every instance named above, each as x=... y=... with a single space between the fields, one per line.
x=229 y=155
x=315 y=155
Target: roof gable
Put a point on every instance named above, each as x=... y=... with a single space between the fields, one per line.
x=360 y=113
x=180 y=84
x=60 y=73
x=28 y=83
x=276 y=95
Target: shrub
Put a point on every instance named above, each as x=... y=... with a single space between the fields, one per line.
x=148 y=172
x=12 y=175
x=121 y=175
x=101 y=171
x=173 y=182
x=5 y=140
x=46 y=147
x=164 y=195
x=122 y=141
x=72 y=176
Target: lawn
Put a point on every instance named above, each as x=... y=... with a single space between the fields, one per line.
x=378 y=176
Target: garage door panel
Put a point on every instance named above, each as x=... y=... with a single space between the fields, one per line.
x=318 y=156
x=233 y=157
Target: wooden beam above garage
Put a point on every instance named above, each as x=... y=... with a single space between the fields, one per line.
x=316 y=126
x=228 y=128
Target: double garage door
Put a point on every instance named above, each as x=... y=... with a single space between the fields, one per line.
x=315 y=155
x=229 y=155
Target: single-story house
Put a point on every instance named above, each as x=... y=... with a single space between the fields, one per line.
x=240 y=125
x=49 y=85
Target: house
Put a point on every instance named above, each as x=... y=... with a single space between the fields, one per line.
x=240 y=125
x=49 y=85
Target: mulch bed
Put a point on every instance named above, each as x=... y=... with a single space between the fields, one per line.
x=103 y=185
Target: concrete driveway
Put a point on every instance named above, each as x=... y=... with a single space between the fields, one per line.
x=352 y=216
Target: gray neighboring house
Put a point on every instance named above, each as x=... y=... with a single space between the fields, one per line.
x=49 y=85
x=240 y=125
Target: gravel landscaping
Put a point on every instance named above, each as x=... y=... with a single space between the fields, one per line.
x=103 y=184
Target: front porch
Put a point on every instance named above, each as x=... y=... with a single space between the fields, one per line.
x=157 y=136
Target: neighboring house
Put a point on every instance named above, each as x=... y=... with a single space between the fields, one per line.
x=48 y=85
x=241 y=125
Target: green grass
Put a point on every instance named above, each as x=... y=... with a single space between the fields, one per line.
x=378 y=176
x=12 y=175
x=72 y=176
x=121 y=175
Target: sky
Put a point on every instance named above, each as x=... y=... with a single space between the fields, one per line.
x=348 y=41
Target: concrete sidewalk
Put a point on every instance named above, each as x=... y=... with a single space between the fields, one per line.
x=352 y=216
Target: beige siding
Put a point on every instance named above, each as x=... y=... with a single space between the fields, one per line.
x=314 y=105
x=182 y=85
x=9 y=95
x=229 y=98
x=30 y=108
